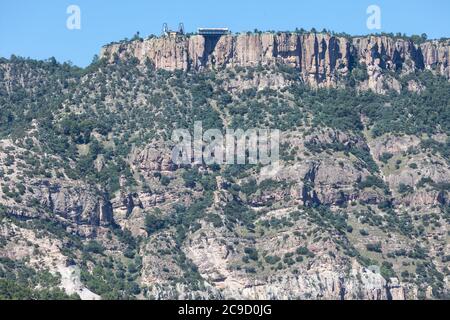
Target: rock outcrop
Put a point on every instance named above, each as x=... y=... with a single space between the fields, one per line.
x=352 y=210
x=322 y=59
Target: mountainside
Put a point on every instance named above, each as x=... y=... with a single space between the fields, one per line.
x=323 y=60
x=92 y=205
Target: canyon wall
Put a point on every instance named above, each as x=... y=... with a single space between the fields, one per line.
x=322 y=59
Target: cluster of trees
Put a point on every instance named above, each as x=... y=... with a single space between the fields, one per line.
x=112 y=283
x=405 y=112
x=360 y=153
x=373 y=182
x=19 y=282
x=70 y=119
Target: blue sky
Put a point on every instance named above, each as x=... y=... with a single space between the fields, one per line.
x=37 y=29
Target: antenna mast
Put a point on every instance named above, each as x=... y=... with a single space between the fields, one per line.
x=181 y=28
x=165 y=29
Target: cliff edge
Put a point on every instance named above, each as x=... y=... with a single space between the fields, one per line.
x=322 y=59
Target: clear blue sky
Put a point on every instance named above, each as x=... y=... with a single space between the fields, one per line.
x=37 y=29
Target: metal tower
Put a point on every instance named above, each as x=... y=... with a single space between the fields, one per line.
x=165 y=29
x=181 y=28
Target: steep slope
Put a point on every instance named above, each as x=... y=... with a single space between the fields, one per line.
x=358 y=210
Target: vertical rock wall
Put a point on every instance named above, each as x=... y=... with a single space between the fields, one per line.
x=322 y=59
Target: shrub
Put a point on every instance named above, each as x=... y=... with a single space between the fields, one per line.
x=387 y=270
x=252 y=253
x=154 y=223
x=303 y=251
x=374 y=247
x=405 y=189
x=385 y=157
x=94 y=247
x=165 y=181
x=372 y=181
x=272 y=259
x=215 y=219
x=364 y=232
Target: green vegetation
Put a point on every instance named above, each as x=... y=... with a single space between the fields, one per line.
x=154 y=222
x=90 y=125
x=19 y=282
x=405 y=189
x=251 y=253
x=385 y=157
x=374 y=247
x=373 y=181
x=272 y=259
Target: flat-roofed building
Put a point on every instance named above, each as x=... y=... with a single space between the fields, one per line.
x=213 y=31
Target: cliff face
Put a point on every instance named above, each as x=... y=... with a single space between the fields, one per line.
x=322 y=59
x=357 y=207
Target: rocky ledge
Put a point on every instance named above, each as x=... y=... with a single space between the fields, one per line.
x=323 y=60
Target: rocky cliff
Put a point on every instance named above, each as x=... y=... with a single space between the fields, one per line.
x=322 y=59
x=357 y=207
